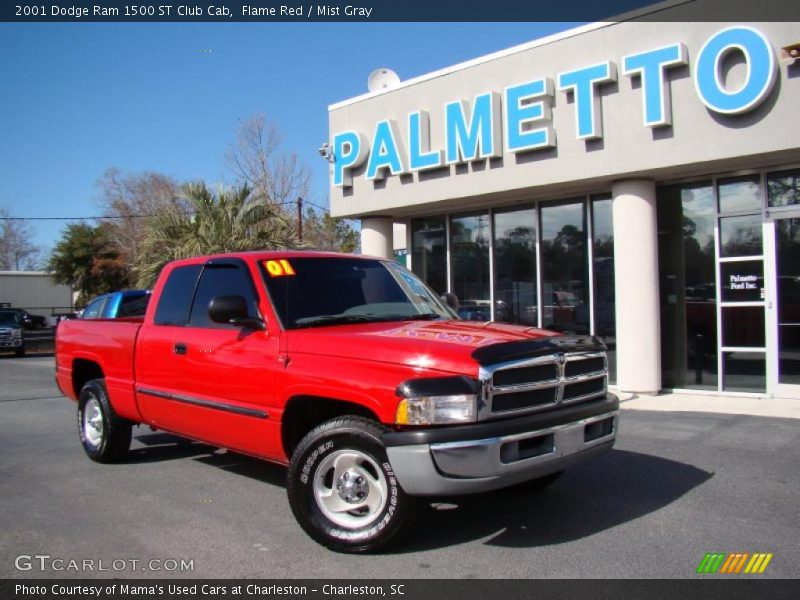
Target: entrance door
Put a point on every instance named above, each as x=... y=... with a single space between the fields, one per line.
x=783 y=229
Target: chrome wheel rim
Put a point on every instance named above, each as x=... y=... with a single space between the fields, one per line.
x=93 y=422
x=350 y=489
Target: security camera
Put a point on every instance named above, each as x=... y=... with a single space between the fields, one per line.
x=325 y=151
x=791 y=53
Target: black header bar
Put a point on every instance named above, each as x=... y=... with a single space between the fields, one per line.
x=260 y=11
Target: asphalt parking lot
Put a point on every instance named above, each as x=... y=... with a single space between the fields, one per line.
x=676 y=486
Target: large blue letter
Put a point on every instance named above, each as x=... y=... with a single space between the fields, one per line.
x=481 y=138
x=419 y=142
x=651 y=67
x=583 y=83
x=386 y=151
x=518 y=115
x=349 y=151
x=758 y=81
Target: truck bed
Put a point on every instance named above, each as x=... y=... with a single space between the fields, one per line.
x=107 y=342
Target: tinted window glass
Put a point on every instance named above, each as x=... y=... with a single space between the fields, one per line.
x=10 y=318
x=133 y=306
x=176 y=297
x=221 y=280
x=469 y=254
x=515 y=266
x=740 y=236
x=429 y=252
x=565 y=295
x=783 y=189
x=739 y=193
x=687 y=286
x=95 y=309
x=604 y=298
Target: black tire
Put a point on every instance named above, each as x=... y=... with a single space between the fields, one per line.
x=20 y=352
x=356 y=442
x=110 y=439
x=538 y=484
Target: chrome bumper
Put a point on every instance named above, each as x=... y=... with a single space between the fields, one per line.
x=466 y=467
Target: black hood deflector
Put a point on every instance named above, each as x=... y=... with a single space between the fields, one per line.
x=505 y=351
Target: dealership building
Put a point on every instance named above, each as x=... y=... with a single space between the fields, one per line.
x=635 y=180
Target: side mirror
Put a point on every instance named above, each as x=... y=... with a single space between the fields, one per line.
x=232 y=310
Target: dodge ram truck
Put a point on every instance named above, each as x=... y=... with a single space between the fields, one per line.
x=348 y=370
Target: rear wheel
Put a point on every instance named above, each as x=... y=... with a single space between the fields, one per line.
x=342 y=489
x=105 y=436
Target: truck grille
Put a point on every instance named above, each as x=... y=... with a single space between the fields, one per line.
x=530 y=385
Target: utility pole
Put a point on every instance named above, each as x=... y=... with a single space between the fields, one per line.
x=300 y=218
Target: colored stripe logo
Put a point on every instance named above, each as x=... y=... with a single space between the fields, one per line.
x=737 y=562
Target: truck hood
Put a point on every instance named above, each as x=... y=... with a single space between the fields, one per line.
x=439 y=345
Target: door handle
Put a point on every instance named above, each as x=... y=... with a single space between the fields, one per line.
x=179 y=348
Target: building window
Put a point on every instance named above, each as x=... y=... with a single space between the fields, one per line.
x=515 y=266
x=603 y=278
x=565 y=293
x=686 y=216
x=783 y=188
x=429 y=252
x=741 y=270
x=469 y=256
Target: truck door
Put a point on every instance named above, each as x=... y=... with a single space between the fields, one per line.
x=155 y=348
x=225 y=374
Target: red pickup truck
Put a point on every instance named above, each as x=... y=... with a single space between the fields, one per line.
x=350 y=371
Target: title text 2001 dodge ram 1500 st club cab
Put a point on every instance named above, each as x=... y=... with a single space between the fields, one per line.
x=350 y=371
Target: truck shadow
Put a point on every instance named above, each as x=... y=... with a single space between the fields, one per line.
x=613 y=489
x=160 y=446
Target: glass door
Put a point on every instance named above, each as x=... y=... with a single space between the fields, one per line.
x=783 y=250
x=785 y=307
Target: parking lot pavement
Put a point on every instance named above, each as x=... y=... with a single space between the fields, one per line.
x=676 y=486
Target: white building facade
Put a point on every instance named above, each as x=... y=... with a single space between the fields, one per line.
x=638 y=181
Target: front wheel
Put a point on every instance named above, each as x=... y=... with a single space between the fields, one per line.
x=342 y=489
x=105 y=436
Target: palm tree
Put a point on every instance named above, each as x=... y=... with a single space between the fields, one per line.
x=230 y=220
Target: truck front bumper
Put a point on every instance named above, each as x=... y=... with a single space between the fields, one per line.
x=495 y=454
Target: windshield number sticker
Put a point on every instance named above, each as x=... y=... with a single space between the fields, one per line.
x=279 y=268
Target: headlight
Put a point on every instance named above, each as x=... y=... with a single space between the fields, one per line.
x=17 y=333
x=437 y=410
x=437 y=401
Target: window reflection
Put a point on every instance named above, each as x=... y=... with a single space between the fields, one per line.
x=429 y=252
x=745 y=371
x=515 y=266
x=686 y=216
x=603 y=258
x=739 y=194
x=743 y=326
x=740 y=236
x=565 y=295
x=787 y=232
x=783 y=189
x=469 y=252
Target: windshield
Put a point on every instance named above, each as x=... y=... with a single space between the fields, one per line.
x=8 y=317
x=309 y=292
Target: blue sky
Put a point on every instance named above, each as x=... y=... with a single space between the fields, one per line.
x=76 y=99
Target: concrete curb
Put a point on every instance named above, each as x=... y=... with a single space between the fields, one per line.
x=733 y=405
